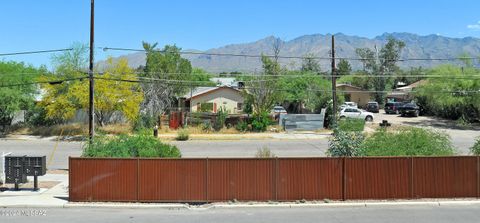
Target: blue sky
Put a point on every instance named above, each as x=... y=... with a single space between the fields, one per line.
x=51 y=24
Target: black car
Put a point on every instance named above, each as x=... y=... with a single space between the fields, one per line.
x=372 y=107
x=392 y=107
x=411 y=109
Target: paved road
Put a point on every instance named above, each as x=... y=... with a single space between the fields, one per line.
x=400 y=214
x=43 y=147
x=189 y=149
x=248 y=148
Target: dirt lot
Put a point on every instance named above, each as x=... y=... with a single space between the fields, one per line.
x=463 y=137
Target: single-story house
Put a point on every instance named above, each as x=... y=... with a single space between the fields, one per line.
x=404 y=93
x=211 y=99
x=355 y=94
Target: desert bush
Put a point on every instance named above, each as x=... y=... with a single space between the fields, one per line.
x=129 y=146
x=221 y=117
x=264 y=152
x=408 y=141
x=475 y=149
x=144 y=122
x=182 y=135
x=351 y=124
x=345 y=143
x=260 y=122
x=206 y=127
x=242 y=126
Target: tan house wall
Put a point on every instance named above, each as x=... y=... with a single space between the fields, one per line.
x=224 y=97
x=361 y=98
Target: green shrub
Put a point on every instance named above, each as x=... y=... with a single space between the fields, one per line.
x=129 y=146
x=351 y=124
x=242 y=126
x=144 y=122
x=345 y=143
x=409 y=141
x=260 y=122
x=220 y=119
x=475 y=149
x=264 y=152
x=206 y=127
x=182 y=135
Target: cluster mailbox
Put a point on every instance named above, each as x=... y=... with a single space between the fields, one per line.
x=17 y=168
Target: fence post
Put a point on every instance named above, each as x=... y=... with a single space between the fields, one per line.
x=478 y=176
x=206 y=179
x=344 y=178
x=138 y=179
x=69 y=178
x=412 y=195
x=276 y=178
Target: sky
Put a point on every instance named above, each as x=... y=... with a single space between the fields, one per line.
x=54 y=24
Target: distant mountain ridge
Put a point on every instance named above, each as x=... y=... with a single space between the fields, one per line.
x=430 y=46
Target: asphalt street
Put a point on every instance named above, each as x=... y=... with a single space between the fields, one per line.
x=43 y=147
x=248 y=148
x=400 y=214
x=189 y=149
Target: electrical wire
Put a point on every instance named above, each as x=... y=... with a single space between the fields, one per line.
x=289 y=57
x=283 y=89
x=35 y=52
x=42 y=82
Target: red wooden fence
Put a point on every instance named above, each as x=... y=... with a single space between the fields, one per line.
x=282 y=179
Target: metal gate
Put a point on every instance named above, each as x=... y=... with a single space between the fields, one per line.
x=302 y=122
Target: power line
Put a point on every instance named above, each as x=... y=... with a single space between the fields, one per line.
x=284 y=89
x=41 y=82
x=34 y=52
x=290 y=57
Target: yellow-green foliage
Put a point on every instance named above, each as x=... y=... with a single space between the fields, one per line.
x=61 y=101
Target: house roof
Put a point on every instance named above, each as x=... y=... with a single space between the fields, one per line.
x=411 y=86
x=205 y=90
x=349 y=85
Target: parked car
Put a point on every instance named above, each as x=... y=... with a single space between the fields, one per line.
x=278 y=110
x=356 y=113
x=392 y=107
x=348 y=104
x=373 y=106
x=411 y=109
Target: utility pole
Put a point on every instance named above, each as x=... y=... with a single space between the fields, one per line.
x=334 y=83
x=90 y=75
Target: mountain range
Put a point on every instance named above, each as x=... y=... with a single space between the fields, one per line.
x=319 y=45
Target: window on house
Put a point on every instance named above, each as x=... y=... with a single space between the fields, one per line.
x=239 y=106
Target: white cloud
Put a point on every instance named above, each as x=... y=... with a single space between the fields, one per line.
x=474 y=26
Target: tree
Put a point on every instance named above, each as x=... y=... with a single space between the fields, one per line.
x=344 y=68
x=263 y=87
x=16 y=98
x=310 y=64
x=450 y=95
x=304 y=90
x=111 y=95
x=170 y=67
x=57 y=100
x=381 y=64
x=62 y=100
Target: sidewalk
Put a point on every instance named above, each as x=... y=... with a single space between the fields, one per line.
x=56 y=196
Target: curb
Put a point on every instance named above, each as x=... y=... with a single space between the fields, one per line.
x=179 y=206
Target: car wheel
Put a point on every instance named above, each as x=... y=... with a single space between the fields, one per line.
x=369 y=118
x=342 y=117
